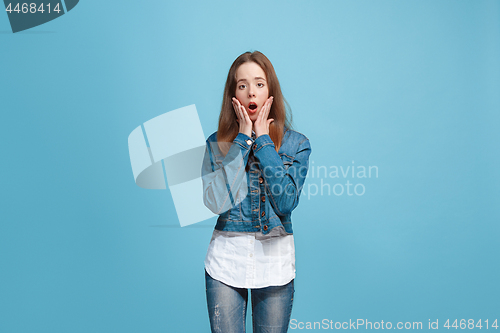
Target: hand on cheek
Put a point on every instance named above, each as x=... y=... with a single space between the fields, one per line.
x=245 y=124
x=261 y=124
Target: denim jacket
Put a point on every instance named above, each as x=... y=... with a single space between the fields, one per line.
x=254 y=188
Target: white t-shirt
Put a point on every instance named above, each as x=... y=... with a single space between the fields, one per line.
x=251 y=259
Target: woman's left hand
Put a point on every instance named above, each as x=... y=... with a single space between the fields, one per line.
x=261 y=124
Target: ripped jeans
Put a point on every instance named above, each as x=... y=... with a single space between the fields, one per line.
x=271 y=307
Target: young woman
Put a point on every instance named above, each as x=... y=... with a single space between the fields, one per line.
x=253 y=172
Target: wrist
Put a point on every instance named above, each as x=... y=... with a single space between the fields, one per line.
x=257 y=134
x=246 y=132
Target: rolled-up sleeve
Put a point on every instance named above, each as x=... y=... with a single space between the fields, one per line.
x=224 y=181
x=283 y=182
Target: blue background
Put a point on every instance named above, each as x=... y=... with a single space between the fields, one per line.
x=408 y=86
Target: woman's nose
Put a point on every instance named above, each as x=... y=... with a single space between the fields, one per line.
x=251 y=93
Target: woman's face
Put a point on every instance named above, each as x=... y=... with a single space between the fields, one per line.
x=251 y=88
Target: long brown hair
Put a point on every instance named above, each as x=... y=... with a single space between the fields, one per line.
x=229 y=127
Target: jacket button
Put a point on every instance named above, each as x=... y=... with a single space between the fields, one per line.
x=261 y=180
x=249 y=142
x=265 y=228
x=253 y=147
x=263 y=198
x=263 y=213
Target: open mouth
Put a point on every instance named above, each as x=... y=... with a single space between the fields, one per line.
x=252 y=106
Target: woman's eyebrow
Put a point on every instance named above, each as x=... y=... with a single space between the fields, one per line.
x=256 y=78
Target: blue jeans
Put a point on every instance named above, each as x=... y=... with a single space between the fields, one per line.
x=227 y=307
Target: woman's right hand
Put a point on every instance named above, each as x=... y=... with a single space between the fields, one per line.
x=242 y=117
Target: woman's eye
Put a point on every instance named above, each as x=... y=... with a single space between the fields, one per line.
x=260 y=85
x=241 y=86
